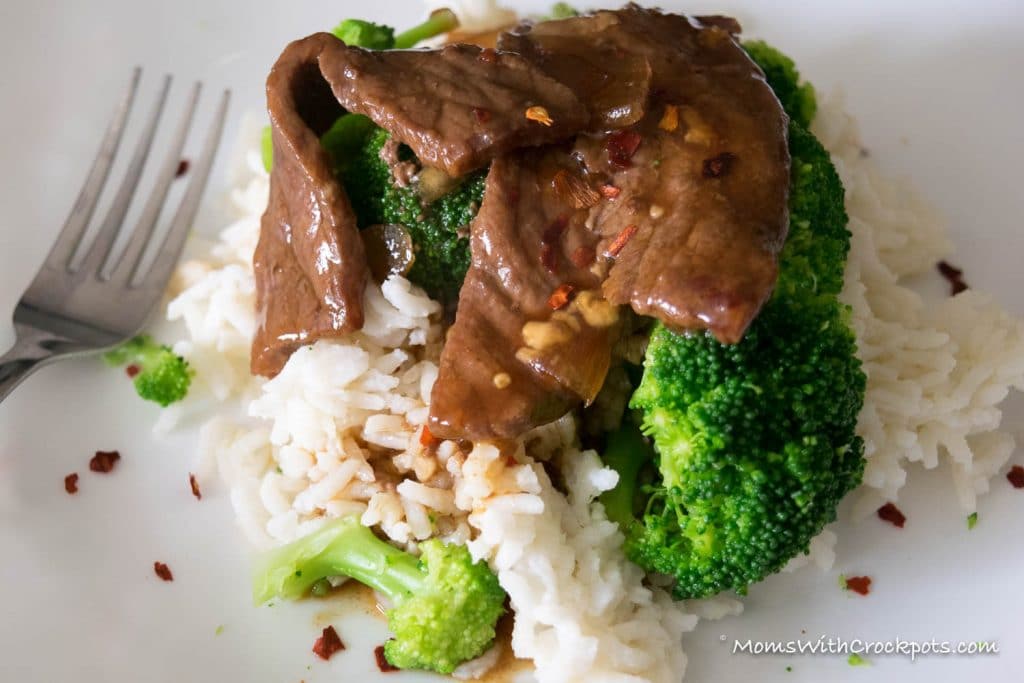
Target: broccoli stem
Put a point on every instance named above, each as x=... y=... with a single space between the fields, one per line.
x=440 y=21
x=346 y=548
x=625 y=451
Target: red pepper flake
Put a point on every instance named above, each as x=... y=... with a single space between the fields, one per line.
x=718 y=166
x=132 y=370
x=182 y=168
x=610 y=191
x=954 y=275
x=71 y=483
x=621 y=146
x=104 y=461
x=554 y=232
x=194 y=484
x=488 y=54
x=427 y=439
x=583 y=256
x=549 y=243
x=560 y=297
x=328 y=643
x=539 y=115
x=859 y=584
x=890 y=513
x=619 y=243
x=163 y=571
x=382 y=662
x=549 y=257
x=1016 y=476
x=481 y=115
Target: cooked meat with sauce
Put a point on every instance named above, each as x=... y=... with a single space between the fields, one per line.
x=511 y=361
x=636 y=158
x=704 y=177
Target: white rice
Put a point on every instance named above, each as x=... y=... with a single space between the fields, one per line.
x=337 y=432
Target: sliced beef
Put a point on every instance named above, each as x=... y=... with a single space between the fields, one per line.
x=495 y=381
x=457 y=107
x=309 y=263
x=704 y=177
x=584 y=53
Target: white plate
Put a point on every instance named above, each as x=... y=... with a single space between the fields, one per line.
x=939 y=94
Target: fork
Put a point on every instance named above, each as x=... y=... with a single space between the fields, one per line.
x=72 y=308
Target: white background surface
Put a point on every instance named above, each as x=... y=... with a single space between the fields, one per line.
x=939 y=92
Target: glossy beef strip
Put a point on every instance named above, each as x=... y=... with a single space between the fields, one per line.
x=457 y=107
x=309 y=263
x=530 y=339
x=703 y=179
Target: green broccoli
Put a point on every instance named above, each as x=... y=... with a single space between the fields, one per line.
x=797 y=98
x=445 y=606
x=755 y=442
x=365 y=34
x=439 y=230
x=562 y=10
x=163 y=377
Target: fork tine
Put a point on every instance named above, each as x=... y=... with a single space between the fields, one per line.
x=174 y=241
x=103 y=243
x=125 y=268
x=74 y=227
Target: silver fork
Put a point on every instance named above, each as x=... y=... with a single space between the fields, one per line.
x=72 y=309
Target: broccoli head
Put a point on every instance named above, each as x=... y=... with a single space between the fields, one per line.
x=163 y=376
x=439 y=230
x=358 y=32
x=754 y=442
x=780 y=71
x=445 y=606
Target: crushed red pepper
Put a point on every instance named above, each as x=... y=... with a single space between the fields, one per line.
x=163 y=571
x=718 y=166
x=132 y=370
x=104 y=461
x=382 y=662
x=182 y=168
x=619 y=243
x=428 y=440
x=549 y=257
x=561 y=296
x=954 y=275
x=892 y=514
x=194 y=485
x=71 y=483
x=610 y=191
x=621 y=146
x=328 y=643
x=1016 y=476
x=859 y=584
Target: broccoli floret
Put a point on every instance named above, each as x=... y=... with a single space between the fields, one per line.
x=755 y=442
x=562 y=10
x=439 y=230
x=365 y=34
x=445 y=606
x=797 y=98
x=163 y=376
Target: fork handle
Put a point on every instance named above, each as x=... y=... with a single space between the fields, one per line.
x=32 y=349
